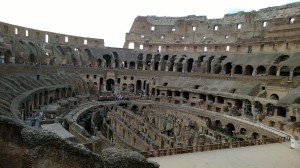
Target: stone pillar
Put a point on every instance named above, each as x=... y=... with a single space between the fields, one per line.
x=104 y=86
x=291 y=75
x=167 y=66
x=152 y=64
x=159 y=66
x=144 y=65
x=278 y=72
x=184 y=67
x=113 y=65
x=175 y=67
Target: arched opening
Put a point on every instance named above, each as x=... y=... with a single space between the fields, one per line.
x=272 y=71
x=202 y=96
x=243 y=131
x=230 y=129
x=217 y=68
x=116 y=57
x=285 y=71
x=124 y=87
x=255 y=135
x=281 y=58
x=172 y=62
x=179 y=65
x=281 y=112
x=132 y=65
x=248 y=70
x=238 y=69
x=140 y=65
x=169 y=93
x=107 y=60
x=164 y=63
x=110 y=83
x=211 y=98
x=296 y=71
x=99 y=62
x=274 y=96
x=186 y=95
x=270 y=109
x=156 y=66
x=32 y=58
x=124 y=64
x=219 y=125
x=153 y=91
x=140 y=57
x=46 y=97
x=176 y=93
x=50 y=100
x=208 y=122
x=190 y=65
x=247 y=108
x=258 y=107
x=131 y=88
x=227 y=68
x=147 y=89
x=261 y=70
x=138 y=86
x=156 y=61
x=148 y=61
x=135 y=109
x=208 y=64
x=7 y=57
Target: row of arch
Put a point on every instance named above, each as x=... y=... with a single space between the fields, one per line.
x=43 y=97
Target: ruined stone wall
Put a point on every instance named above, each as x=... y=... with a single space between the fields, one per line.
x=273 y=29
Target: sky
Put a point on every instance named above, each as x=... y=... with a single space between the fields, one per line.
x=112 y=19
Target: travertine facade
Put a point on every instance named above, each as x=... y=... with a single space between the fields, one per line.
x=187 y=81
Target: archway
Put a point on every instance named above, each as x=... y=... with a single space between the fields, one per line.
x=272 y=70
x=230 y=129
x=107 y=60
x=156 y=66
x=110 y=85
x=138 y=86
x=228 y=67
x=248 y=70
x=261 y=70
x=218 y=125
x=238 y=69
x=274 y=96
x=255 y=135
x=190 y=64
x=99 y=62
x=281 y=111
x=124 y=87
x=32 y=58
x=140 y=65
x=131 y=88
x=132 y=65
x=285 y=71
x=7 y=57
x=296 y=71
x=243 y=131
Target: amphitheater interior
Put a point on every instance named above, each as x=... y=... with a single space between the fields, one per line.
x=178 y=82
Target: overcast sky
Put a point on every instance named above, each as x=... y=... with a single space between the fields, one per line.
x=111 y=19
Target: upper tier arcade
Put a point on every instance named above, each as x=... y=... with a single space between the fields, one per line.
x=274 y=29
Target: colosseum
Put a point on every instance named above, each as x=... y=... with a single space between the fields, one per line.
x=178 y=85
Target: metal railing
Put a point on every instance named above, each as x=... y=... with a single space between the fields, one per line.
x=211 y=147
